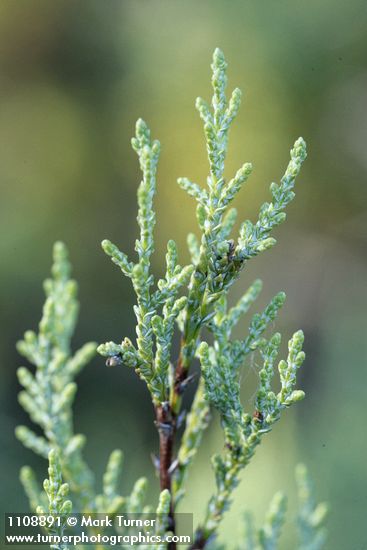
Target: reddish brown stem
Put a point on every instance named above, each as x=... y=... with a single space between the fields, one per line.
x=166 y=424
x=166 y=429
x=166 y=421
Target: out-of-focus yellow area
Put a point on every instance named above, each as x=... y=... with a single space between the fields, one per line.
x=74 y=77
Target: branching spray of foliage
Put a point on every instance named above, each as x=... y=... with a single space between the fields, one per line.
x=188 y=299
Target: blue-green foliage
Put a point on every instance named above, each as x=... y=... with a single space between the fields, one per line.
x=186 y=300
x=48 y=397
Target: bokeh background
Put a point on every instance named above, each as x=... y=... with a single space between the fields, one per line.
x=74 y=77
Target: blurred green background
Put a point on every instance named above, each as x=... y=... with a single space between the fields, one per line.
x=74 y=77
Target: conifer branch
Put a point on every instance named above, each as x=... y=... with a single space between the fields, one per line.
x=48 y=397
x=58 y=506
x=190 y=301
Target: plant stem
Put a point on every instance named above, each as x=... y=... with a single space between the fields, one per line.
x=166 y=424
